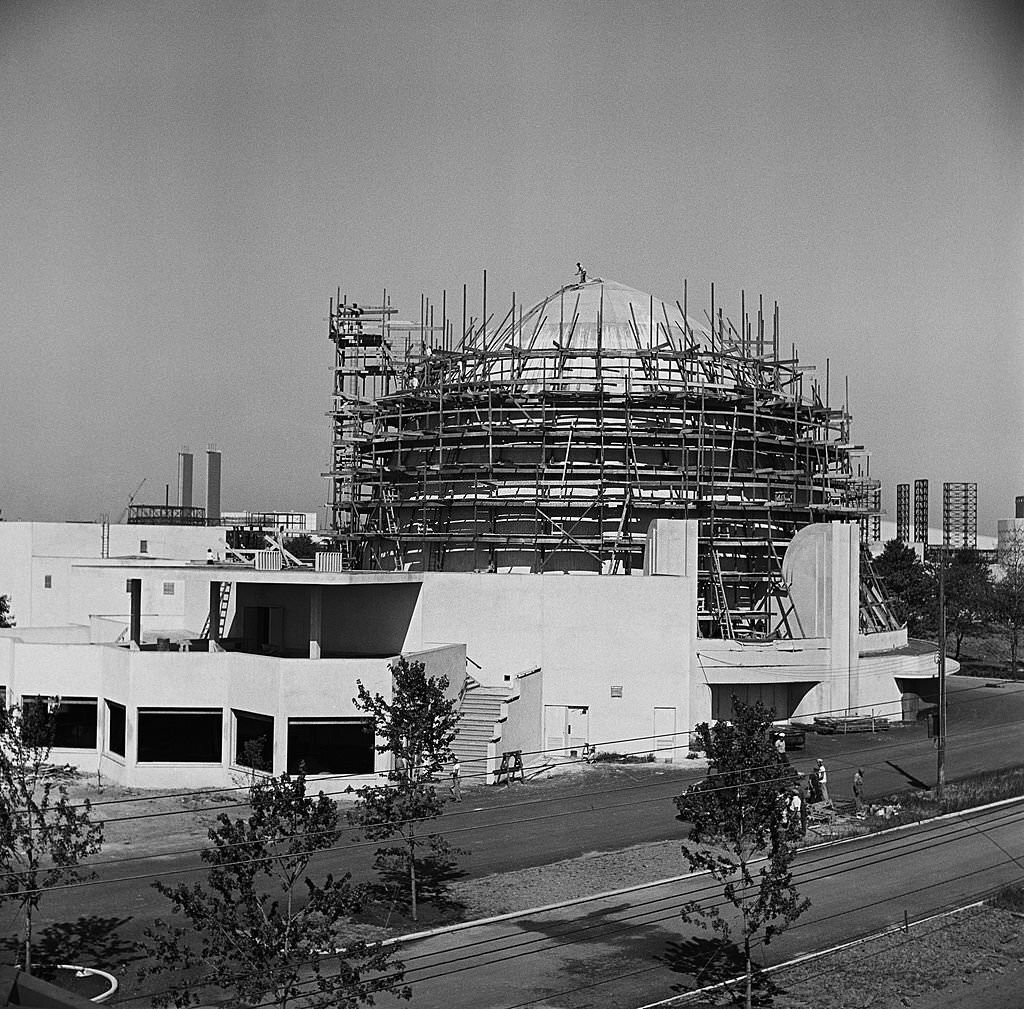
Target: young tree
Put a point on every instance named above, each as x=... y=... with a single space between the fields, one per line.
x=739 y=834
x=1008 y=591
x=43 y=836
x=417 y=727
x=6 y=620
x=260 y=927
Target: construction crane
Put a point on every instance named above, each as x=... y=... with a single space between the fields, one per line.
x=131 y=501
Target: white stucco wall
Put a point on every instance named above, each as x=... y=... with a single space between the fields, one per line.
x=587 y=633
x=31 y=551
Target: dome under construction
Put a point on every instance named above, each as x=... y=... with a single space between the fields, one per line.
x=549 y=441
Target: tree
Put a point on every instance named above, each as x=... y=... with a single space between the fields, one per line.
x=910 y=585
x=968 y=595
x=1008 y=591
x=417 y=727
x=302 y=546
x=6 y=620
x=267 y=932
x=43 y=836
x=739 y=833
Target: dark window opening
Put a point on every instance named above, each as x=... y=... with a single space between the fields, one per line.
x=64 y=722
x=254 y=741
x=180 y=736
x=330 y=746
x=47 y=581
x=117 y=723
x=262 y=628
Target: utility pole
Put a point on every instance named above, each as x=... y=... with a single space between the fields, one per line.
x=941 y=748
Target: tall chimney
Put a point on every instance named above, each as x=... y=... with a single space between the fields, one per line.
x=212 y=486
x=185 y=478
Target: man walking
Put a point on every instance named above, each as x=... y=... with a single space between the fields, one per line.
x=456 y=785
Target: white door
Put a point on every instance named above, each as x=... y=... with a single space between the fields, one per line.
x=554 y=729
x=664 y=734
x=566 y=729
x=577 y=729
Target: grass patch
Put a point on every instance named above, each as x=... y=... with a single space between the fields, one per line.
x=975 y=790
x=1010 y=898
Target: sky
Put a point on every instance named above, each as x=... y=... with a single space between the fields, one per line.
x=185 y=185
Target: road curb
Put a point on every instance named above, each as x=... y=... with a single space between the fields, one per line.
x=511 y=915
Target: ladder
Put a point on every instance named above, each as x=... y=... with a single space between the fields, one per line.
x=225 y=603
x=721 y=602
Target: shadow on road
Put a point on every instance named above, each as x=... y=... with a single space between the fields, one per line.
x=707 y=962
x=89 y=941
x=911 y=779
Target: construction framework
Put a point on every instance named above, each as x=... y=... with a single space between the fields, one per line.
x=547 y=440
x=921 y=512
x=903 y=512
x=960 y=515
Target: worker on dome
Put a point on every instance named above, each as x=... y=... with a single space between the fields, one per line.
x=582 y=273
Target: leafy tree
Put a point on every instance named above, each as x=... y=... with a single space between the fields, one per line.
x=968 y=595
x=1008 y=591
x=417 y=726
x=739 y=834
x=911 y=587
x=267 y=932
x=43 y=836
x=6 y=620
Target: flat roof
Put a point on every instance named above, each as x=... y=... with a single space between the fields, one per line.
x=243 y=573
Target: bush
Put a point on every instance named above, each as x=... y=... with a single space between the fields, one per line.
x=623 y=758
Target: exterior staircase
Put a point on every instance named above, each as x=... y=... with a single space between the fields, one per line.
x=481 y=708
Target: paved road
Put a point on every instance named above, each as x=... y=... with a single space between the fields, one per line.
x=633 y=949
x=527 y=825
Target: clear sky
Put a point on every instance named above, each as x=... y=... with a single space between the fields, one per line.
x=186 y=184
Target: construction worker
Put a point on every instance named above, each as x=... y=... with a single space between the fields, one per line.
x=821 y=773
x=582 y=273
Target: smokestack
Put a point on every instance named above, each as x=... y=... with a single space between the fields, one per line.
x=185 y=478
x=212 y=486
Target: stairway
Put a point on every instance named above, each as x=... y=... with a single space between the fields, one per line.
x=481 y=708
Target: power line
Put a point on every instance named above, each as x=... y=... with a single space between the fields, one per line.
x=888 y=665
x=859 y=860
x=441 y=832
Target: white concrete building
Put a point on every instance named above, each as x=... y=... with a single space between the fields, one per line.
x=273 y=657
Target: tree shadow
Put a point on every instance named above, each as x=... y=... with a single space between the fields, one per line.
x=434 y=873
x=706 y=962
x=89 y=941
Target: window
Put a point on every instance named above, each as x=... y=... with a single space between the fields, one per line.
x=116 y=725
x=168 y=588
x=180 y=735
x=47 y=581
x=143 y=546
x=71 y=720
x=330 y=746
x=254 y=740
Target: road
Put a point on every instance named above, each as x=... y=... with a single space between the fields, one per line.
x=510 y=828
x=633 y=949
